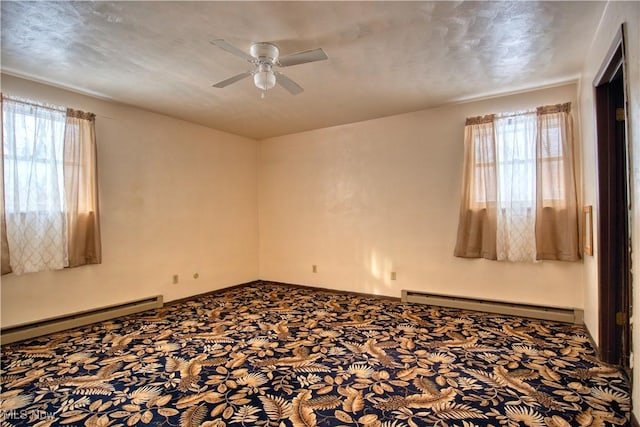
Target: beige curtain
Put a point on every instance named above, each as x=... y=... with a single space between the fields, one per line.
x=4 y=246
x=477 y=222
x=557 y=228
x=80 y=177
x=519 y=196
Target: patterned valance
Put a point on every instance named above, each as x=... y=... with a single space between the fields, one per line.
x=553 y=109
x=480 y=120
x=80 y=114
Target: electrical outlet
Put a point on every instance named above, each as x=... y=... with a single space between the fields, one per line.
x=393 y=275
x=176 y=279
x=314 y=268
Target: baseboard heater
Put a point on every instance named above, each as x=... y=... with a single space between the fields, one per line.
x=569 y=315
x=82 y=318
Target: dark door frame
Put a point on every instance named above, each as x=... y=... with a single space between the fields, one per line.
x=614 y=246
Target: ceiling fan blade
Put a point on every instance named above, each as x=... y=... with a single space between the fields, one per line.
x=233 y=79
x=292 y=87
x=303 y=57
x=223 y=44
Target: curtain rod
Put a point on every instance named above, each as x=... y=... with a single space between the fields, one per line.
x=47 y=106
x=32 y=103
x=545 y=109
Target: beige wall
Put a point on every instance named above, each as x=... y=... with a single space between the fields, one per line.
x=615 y=14
x=176 y=198
x=365 y=199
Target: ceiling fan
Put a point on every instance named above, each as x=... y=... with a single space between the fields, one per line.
x=264 y=57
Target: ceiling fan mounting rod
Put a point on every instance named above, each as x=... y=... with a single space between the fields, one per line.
x=263 y=67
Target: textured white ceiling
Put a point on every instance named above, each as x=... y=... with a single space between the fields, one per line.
x=385 y=58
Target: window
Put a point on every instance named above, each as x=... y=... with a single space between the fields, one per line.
x=519 y=200
x=49 y=219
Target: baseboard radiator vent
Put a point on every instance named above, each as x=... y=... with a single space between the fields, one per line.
x=57 y=324
x=568 y=315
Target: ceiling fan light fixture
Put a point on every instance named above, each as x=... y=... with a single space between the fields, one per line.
x=264 y=80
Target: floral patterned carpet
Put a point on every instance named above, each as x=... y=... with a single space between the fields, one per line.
x=271 y=355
